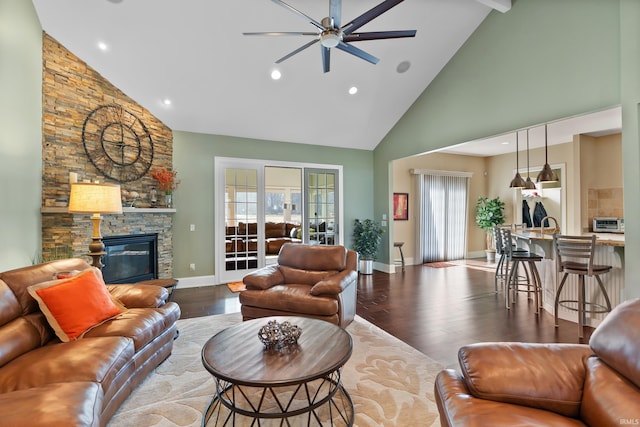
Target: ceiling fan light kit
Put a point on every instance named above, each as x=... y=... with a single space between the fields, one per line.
x=332 y=34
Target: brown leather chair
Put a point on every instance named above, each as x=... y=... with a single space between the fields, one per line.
x=518 y=384
x=316 y=281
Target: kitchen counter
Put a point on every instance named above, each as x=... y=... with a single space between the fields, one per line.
x=602 y=239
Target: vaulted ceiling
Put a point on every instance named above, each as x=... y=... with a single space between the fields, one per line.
x=193 y=54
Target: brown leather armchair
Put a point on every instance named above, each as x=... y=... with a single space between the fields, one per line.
x=308 y=280
x=518 y=384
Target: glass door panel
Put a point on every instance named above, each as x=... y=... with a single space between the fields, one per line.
x=283 y=218
x=320 y=222
x=241 y=224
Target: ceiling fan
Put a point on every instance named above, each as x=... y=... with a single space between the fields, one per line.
x=332 y=34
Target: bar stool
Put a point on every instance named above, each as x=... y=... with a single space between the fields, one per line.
x=514 y=283
x=399 y=246
x=579 y=250
x=502 y=268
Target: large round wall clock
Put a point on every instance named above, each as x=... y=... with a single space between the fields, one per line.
x=117 y=143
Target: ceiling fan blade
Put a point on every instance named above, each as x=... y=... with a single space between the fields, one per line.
x=298 y=50
x=300 y=14
x=378 y=35
x=280 y=33
x=335 y=12
x=326 y=58
x=369 y=15
x=357 y=52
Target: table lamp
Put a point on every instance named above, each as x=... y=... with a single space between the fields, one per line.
x=95 y=199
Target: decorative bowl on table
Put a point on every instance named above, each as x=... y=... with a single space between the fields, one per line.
x=275 y=335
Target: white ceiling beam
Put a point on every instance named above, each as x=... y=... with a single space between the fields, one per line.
x=499 y=5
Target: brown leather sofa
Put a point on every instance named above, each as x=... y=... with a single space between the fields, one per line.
x=46 y=382
x=309 y=280
x=518 y=384
x=244 y=237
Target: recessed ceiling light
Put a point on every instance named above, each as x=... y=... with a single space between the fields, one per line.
x=403 y=67
x=166 y=101
x=276 y=74
x=505 y=143
x=353 y=90
x=103 y=46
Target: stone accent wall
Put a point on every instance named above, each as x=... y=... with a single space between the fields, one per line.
x=71 y=90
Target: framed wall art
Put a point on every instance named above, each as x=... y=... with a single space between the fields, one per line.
x=401 y=206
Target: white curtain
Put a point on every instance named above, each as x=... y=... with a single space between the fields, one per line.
x=443 y=204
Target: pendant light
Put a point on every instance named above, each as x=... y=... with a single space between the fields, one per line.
x=546 y=174
x=517 y=181
x=528 y=185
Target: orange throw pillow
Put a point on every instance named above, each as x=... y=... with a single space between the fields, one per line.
x=74 y=305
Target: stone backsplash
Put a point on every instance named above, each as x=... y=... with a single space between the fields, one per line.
x=605 y=202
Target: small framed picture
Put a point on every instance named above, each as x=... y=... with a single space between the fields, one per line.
x=401 y=206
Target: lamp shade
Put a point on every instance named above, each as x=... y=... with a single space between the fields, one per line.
x=95 y=198
x=529 y=185
x=546 y=174
x=517 y=181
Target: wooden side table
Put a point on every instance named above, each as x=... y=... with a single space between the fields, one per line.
x=169 y=284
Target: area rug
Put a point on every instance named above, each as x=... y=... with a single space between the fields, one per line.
x=236 y=286
x=391 y=383
x=439 y=264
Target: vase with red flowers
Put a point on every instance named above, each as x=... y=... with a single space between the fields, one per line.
x=167 y=183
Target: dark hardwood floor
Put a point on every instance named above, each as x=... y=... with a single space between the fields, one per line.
x=435 y=310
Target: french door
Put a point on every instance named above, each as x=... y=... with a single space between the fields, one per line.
x=253 y=196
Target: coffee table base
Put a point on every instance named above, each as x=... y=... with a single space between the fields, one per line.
x=320 y=402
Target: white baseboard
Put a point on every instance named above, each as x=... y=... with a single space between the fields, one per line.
x=196 y=282
x=477 y=254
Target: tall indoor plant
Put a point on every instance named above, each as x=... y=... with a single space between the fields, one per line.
x=367 y=235
x=489 y=213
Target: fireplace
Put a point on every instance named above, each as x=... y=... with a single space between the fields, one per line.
x=130 y=258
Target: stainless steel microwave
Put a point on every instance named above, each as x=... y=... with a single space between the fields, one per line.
x=608 y=225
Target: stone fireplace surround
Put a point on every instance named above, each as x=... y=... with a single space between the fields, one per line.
x=73 y=231
x=71 y=90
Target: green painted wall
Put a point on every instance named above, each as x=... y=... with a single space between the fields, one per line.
x=630 y=96
x=543 y=60
x=193 y=158
x=20 y=133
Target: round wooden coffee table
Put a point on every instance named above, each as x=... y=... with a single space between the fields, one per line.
x=299 y=385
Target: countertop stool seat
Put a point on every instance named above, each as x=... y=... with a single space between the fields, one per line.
x=399 y=246
x=502 y=267
x=531 y=282
x=575 y=256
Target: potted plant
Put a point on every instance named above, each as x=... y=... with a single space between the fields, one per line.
x=489 y=213
x=367 y=235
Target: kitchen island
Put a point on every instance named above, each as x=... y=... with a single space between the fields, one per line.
x=609 y=251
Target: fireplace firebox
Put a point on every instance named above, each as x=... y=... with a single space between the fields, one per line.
x=130 y=258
